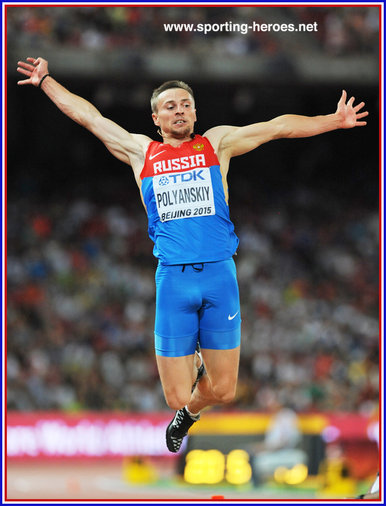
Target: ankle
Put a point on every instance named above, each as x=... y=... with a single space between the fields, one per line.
x=192 y=415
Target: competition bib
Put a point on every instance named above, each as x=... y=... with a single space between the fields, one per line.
x=184 y=195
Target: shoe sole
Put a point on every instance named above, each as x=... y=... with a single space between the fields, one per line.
x=173 y=450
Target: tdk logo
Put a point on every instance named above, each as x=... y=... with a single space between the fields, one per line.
x=185 y=177
x=164 y=180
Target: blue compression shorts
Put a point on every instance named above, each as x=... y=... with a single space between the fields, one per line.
x=198 y=302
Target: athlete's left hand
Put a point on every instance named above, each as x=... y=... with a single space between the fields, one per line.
x=349 y=114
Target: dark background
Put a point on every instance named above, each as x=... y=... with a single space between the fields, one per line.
x=51 y=157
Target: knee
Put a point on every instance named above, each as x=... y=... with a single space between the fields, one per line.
x=176 y=399
x=224 y=391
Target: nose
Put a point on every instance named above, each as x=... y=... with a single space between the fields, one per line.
x=180 y=109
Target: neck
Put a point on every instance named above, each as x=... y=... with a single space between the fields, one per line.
x=176 y=141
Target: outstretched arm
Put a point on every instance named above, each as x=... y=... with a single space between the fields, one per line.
x=123 y=145
x=234 y=141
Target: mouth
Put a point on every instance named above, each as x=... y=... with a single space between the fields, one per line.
x=179 y=122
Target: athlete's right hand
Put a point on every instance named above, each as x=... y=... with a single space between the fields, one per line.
x=34 y=70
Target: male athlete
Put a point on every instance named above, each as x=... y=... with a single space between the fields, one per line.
x=183 y=186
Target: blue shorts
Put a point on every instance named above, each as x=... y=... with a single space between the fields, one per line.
x=197 y=302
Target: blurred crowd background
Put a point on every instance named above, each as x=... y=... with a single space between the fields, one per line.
x=341 y=30
x=123 y=39
x=80 y=292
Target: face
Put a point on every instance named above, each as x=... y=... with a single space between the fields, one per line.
x=175 y=114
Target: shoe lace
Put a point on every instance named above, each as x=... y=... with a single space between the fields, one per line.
x=179 y=419
x=182 y=423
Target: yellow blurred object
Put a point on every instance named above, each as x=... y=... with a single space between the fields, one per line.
x=239 y=470
x=337 y=481
x=344 y=487
x=293 y=476
x=357 y=372
x=212 y=466
x=246 y=423
x=204 y=466
x=137 y=470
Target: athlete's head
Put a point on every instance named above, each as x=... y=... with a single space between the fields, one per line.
x=167 y=86
x=173 y=109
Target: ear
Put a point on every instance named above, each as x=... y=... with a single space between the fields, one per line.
x=155 y=118
x=195 y=115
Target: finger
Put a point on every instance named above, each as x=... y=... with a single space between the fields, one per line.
x=23 y=71
x=343 y=96
x=32 y=60
x=26 y=65
x=351 y=101
x=359 y=106
x=25 y=81
x=361 y=123
x=36 y=61
x=362 y=115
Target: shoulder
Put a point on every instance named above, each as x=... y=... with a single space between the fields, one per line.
x=216 y=134
x=143 y=141
x=149 y=145
x=141 y=145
